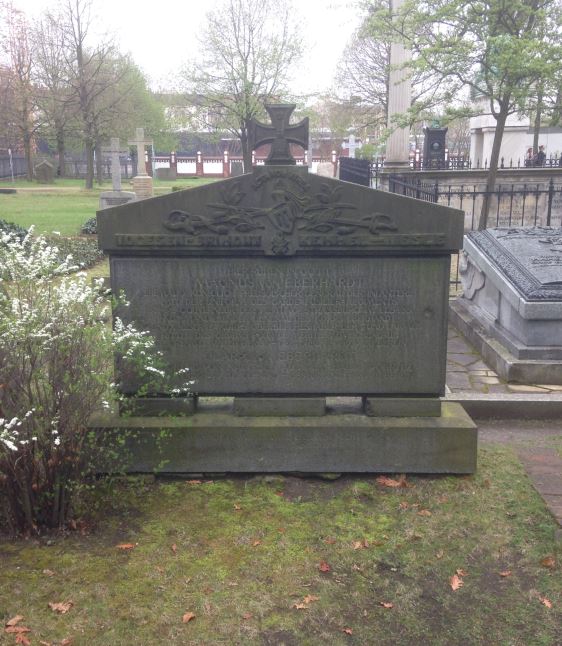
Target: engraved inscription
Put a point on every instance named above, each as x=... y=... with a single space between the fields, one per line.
x=340 y=326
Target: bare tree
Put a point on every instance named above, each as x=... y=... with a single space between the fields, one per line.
x=246 y=51
x=21 y=109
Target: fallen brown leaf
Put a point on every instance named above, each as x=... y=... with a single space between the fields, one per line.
x=505 y=573
x=126 y=546
x=347 y=631
x=188 y=617
x=548 y=561
x=462 y=572
x=237 y=507
x=193 y=482
x=440 y=554
x=329 y=540
x=360 y=545
x=424 y=512
x=66 y=642
x=404 y=505
x=247 y=615
x=546 y=602
x=42 y=643
x=14 y=620
x=310 y=598
x=386 y=604
x=281 y=530
x=391 y=482
x=16 y=630
x=456 y=582
x=324 y=567
x=22 y=639
x=256 y=543
x=300 y=606
x=62 y=607
x=48 y=572
x=174 y=548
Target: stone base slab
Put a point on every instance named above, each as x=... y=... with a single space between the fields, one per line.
x=498 y=357
x=142 y=186
x=401 y=407
x=279 y=406
x=335 y=443
x=159 y=406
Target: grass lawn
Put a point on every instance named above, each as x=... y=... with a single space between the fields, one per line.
x=65 y=205
x=282 y=560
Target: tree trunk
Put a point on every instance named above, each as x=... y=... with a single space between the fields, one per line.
x=89 y=147
x=537 y=124
x=501 y=118
x=60 y=152
x=246 y=151
x=99 y=164
x=27 y=152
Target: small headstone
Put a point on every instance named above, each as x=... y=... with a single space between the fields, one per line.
x=168 y=174
x=236 y=169
x=512 y=302
x=44 y=172
x=116 y=197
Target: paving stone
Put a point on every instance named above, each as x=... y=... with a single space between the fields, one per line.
x=522 y=388
x=457 y=380
x=459 y=345
x=479 y=373
x=483 y=380
x=463 y=359
x=551 y=387
x=497 y=388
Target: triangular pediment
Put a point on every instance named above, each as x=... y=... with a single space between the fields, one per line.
x=280 y=211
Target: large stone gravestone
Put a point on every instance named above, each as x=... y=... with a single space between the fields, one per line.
x=280 y=288
x=511 y=309
x=44 y=172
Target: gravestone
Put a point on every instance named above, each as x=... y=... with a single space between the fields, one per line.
x=116 y=197
x=357 y=171
x=511 y=309
x=325 y=169
x=44 y=173
x=236 y=168
x=142 y=182
x=280 y=288
x=168 y=174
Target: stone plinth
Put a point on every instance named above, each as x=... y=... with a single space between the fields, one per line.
x=512 y=302
x=142 y=186
x=116 y=198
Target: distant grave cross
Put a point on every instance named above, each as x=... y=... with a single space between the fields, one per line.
x=115 y=164
x=140 y=142
x=352 y=146
x=279 y=134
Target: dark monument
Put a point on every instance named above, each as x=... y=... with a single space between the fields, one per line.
x=280 y=288
x=354 y=170
x=511 y=309
x=434 y=145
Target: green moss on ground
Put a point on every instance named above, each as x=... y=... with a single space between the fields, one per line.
x=240 y=553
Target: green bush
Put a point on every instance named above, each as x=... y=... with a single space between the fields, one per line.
x=90 y=226
x=11 y=227
x=84 y=251
x=56 y=367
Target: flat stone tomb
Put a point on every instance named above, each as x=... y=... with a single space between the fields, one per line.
x=280 y=288
x=512 y=303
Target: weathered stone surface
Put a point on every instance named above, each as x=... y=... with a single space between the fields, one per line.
x=512 y=303
x=402 y=406
x=116 y=198
x=44 y=172
x=334 y=443
x=158 y=406
x=280 y=406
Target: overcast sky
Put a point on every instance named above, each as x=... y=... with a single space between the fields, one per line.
x=161 y=36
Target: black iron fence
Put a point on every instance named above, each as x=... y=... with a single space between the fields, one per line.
x=17 y=166
x=510 y=205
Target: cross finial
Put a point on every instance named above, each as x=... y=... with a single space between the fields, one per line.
x=279 y=134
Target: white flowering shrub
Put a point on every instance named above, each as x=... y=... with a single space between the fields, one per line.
x=56 y=367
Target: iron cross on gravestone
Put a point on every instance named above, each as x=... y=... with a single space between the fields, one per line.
x=279 y=134
x=140 y=142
